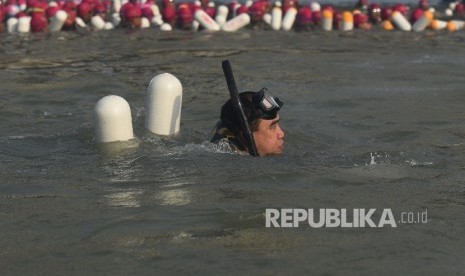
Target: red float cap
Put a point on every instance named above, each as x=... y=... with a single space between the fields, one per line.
x=316 y=17
x=460 y=8
x=84 y=10
x=337 y=19
x=417 y=13
x=100 y=8
x=29 y=3
x=304 y=16
x=360 y=18
x=242 y=9
x=147 y=13
x=71 y=19
x=38 y=22
x=20 y=14
x=328 y=7
x=51 y=11
x=257 y=10
x=401 y=8
x=386 y=13
x=132 y=12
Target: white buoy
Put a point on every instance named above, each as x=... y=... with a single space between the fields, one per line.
x=157 y=21
x=221 y=15
x=195 y=25
x=97 y=22
x=80 y=23
x=400 y=22
x=236 y=23
x=267 y=18
x=423 y=22
x=347 y=21
x=166 y=27
x=12 y=25
x=438 y=24
x=108 y=26
x=113 y=120
x=155 y=10
x=144 y=23
x=57 y=22
x=12 y=10
x=448 y=12
x=315 y=6
x=206 y=21
x=24 y=24
x=164 y=101
x=455 y=25
x=327 y=20
x=117 y=5
x=289 y=19
x=116 y=19
x=276 y=16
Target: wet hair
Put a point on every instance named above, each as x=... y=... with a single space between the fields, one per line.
x=231 y=121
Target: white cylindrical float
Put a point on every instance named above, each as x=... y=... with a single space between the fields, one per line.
x=117 y=5
x=97 y=22
x=315 y=6
x=24 y=24
x=109 y=26
x=80 y=23
x=448 y=12
x=347 y=21
x=221 y=15
x=57 y=22
x=400 y=22
x=157 y=21
x=166 y=27
x=236 y=23
x=12 y=25
x=116 y=19
x=423 y=22
x=289 y=19
x=206 y=21
x=276 y=16
x=22 y=6
x=144 y=23
x=195 y=25
x=155 y=10
x=267 y=18
x=455 y=25
x=113 y=121
x=327 y=20
x=438 y=25
x=163 y=106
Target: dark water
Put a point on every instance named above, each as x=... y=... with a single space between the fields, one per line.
x=372 y=120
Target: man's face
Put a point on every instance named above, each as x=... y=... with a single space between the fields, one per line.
x=269 y=138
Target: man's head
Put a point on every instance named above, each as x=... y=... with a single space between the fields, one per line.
x=261 y=111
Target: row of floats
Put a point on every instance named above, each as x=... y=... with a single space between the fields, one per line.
x=24 y=16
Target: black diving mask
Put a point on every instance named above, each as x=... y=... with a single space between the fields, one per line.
x=265 y=106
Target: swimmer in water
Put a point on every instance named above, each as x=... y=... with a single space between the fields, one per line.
x=261 y=111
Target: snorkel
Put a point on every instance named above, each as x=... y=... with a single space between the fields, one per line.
x=239 y=111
